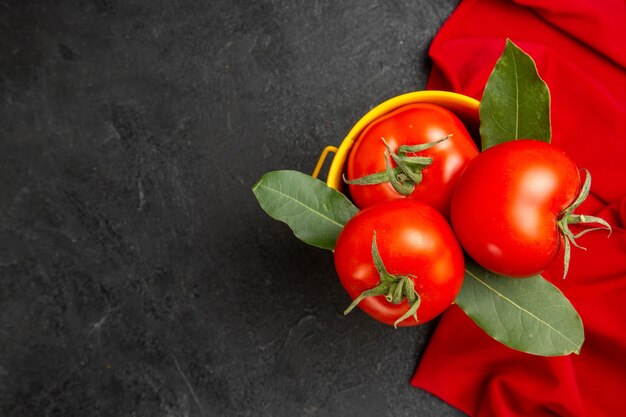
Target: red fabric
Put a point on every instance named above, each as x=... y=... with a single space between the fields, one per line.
x=578 y=46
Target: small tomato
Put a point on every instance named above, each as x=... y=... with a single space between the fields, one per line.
x=417 y=151
x=513 y=205
x=400 y=262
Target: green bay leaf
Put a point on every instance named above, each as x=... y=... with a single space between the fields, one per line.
x=516 y=101
x=526 y=314
x=315 y=212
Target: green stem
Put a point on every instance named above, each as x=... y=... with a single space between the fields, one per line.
x=408 y=170
x=567 y=218
x=395 y=288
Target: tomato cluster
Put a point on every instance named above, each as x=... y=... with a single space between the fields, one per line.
x=427 y=194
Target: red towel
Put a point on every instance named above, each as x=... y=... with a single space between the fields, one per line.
x=578 y=46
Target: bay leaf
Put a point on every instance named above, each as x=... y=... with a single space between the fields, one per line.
x=516 y=101
x=315 y=212
x=526 y=314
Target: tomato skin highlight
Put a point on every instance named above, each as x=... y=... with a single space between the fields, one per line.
x=412 y=124
x=507 y=204
x=413 y=239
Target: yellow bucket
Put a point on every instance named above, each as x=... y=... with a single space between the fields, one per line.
x=464 y=107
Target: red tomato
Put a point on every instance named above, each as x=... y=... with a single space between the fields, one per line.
x=508 y=202
x=413 y=241
x=412 y=124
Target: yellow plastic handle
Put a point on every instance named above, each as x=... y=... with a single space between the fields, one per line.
x=320 y=161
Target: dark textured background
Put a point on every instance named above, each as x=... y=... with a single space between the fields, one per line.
x=139 y=277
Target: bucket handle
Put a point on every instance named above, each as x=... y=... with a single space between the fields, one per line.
x=322 y=158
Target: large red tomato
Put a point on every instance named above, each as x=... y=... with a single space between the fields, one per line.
x=407 y=251
x=413 y=124
x=512 y=206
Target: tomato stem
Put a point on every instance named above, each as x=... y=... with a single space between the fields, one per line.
x=408 y=170
x=395 y=288
x=567 y=218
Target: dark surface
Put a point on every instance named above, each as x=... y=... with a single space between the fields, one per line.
x=139 y=276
